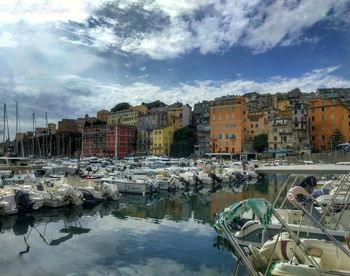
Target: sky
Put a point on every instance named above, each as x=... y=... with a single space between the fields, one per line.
x=71 y=58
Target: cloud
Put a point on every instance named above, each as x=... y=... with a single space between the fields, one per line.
x=165 y=29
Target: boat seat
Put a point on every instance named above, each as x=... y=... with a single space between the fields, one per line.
x=315 y=252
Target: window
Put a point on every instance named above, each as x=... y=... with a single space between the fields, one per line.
x=220 y=117
x=332 y=116
x=313 y=118
x=275 y=138
x=313 y=127
x=323 y=117
x=226 y=117
x=323 y=138
x=233 y=126
x=256 y=125
x=233 y=116
x=322 y=109
x=226 y=136
x=213 y=117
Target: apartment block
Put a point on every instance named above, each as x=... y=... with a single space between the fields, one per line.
x=162 y=140
x=325 y=117
x=200 y=118
x=228 y=115
x=109 y=141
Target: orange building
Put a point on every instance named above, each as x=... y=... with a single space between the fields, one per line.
x=326 y=116
x=257 y=123
x=227 y=120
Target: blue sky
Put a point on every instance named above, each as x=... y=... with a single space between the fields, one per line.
x=70 y=58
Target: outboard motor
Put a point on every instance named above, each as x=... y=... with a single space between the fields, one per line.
x=23 y=202
x=215 y=180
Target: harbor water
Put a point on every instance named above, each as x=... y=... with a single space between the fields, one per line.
x=165 y=234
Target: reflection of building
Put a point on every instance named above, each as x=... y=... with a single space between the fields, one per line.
x=201 y=123
x=114 y=141
x=67 y=125
x=325 y=117
x=162 y=140
x=227 y=120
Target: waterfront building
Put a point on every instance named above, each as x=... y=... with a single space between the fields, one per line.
x=154 y=118
x=52 y=128
x=179 y=115
x=67 y=125
x=228 y=116
x=40 y=131
x=326 y=116
x=280 y=132
x=102 y=115
x=109 y=141
x=162 y=140
x=81 y=122
x=126 y=117
x=301 y=137
x=201 y=122
x=257 y=123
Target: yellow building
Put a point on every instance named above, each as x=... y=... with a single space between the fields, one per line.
x=162 y=140
x=256 y=124
x=126 y=117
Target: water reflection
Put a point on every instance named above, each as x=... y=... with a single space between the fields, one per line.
x=166 y=233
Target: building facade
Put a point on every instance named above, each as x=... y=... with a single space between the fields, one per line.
x=162 y=140
x=126 y=117
x=108 y=141
x=201 y=121
x=52 y=128
x=179 y=115
x=102 y=115
x=154 y=118
x=67 y=125
x=86 y=120
x=280 y=133
x=228 y=116
x=326 y=116
x=301 y=137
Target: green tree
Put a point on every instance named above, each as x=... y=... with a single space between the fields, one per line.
x=336 y=138
x=184 y=141
x=120 y=106
x=260 y=142
x=154 y=104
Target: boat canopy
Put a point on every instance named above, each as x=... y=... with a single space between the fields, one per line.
x=261 y=208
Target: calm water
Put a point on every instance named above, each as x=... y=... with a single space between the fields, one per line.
x=137 y=236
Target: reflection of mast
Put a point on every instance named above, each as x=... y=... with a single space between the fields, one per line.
x=33 y=134
x=47 y=131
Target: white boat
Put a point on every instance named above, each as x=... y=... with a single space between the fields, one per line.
x=132 y=184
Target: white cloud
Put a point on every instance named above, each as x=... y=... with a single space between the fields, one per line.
x=212 y=25
x=42 y=11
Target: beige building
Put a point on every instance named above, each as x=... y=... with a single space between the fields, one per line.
x=162 y=140
x=126 y=117
x=52 y=128
x=102 y=115
x=179 y=115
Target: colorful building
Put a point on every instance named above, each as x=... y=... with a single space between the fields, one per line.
x=162 y=140
x=81 y=122
x=102 y=115
x=126 y=117
x=109 y=141
x=179 y=115
x=256 y=124
x=154 y=118
x=200 y=117
x=228 y=115
x=325 y=117
x=67 y=125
